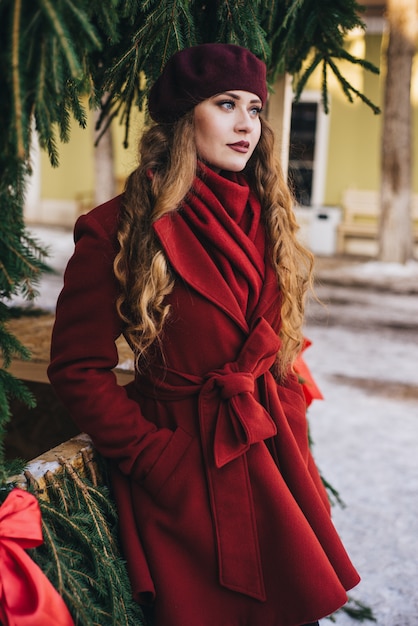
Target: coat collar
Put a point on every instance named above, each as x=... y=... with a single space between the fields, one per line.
x=211 y=216
x=191 y=261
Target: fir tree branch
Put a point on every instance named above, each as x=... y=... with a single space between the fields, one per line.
x=15 y=388
x=65 y=40
x=81 y=555
x=10 y=347
x=56 y=493
x=86 y=24
x=300 y=83
x=6 y=274
x=95 y=512
x=358 y=611
x=18 y=105
x=32 y=268
x=59 y=581
x=350 y=89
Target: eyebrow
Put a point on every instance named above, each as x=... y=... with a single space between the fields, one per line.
x=235 y=96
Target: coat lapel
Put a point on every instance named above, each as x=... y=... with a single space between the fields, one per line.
x=192 y=262
x=215 y=242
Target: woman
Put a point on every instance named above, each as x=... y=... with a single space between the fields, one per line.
x=224 y=519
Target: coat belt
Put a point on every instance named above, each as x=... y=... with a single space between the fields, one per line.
x=231 y=420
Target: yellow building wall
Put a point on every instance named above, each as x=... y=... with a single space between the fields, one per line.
x=75 y=174
x=354 y=149
x=354 y=132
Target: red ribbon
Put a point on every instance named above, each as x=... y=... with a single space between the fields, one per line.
x=309 y=386
x=27 y=598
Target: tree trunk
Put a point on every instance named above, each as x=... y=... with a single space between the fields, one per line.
x=104 y=176
x=395 y=240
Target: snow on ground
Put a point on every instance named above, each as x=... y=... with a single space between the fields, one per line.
x=365 y=443
x=399 y=278
x=365 y=432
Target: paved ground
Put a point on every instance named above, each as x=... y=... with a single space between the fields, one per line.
x=364 y=357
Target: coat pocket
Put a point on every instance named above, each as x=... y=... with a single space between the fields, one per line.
x=167 y=462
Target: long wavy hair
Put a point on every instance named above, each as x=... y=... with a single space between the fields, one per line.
x=164 y=177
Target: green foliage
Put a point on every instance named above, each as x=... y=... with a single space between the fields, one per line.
x=311 y=34
x=10 y=387
x=54 y=52
x=356 y=610
x=21 y=266
x=81 y=555
x=46 y=48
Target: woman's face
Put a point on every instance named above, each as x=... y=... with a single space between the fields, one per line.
x=227 y=129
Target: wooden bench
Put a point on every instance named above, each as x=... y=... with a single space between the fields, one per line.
x=34 y=332
x=359 y=228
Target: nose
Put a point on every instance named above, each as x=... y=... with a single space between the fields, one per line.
x=244 y=121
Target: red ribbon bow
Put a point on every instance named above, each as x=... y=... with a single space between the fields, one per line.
x=27 y=598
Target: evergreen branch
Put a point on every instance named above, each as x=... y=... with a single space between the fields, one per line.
x=36 y=248
x=88 y=28
x=80 y=539
x=333 y=494
x=302 y=81
x=56 y=493
x=325 y=101
x=10 y=346
x=64 y=39
x=26 y=261
x=4 y=420
x=56 y=71
x=358 y=61
x=15 y=388
x=96 y=515
x=74 y=102
x=261 y=38
x=10 y=387
x=102 y=127
x=349 y=89
x=44 y=124
x=359 y=611
x=292 y=13
x=6 y=274
x=177 y=38
x=18 y=105
x=47 y=534
x=89 y=464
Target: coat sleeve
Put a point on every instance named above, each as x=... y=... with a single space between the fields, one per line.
x=83 y=353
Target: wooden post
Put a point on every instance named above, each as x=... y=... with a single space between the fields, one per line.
x=279 y=112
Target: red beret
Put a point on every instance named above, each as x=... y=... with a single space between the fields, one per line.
x=195 y=74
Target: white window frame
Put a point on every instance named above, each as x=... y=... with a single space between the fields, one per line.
x=320 y=157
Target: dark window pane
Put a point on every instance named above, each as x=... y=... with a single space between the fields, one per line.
x=302 y=150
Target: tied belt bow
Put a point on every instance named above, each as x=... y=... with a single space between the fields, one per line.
x=231 y=420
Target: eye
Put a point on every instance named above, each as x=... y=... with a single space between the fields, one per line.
x=228 y=105
x=256 y=111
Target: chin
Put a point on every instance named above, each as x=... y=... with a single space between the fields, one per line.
x=235 y=166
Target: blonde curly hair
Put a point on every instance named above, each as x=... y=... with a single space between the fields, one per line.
x=165 y=175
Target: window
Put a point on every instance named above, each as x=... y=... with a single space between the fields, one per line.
x=307 y=150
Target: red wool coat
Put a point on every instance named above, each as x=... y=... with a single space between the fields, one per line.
x=224 y=519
